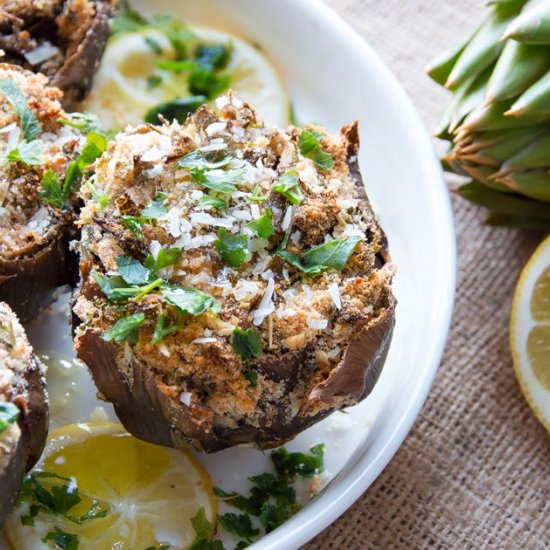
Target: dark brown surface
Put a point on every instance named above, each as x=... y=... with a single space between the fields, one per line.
x=475 y=470
x=28 y=284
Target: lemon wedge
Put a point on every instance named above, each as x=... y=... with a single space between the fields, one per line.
x=122 y=91
x=530 y=332
x=145 y=495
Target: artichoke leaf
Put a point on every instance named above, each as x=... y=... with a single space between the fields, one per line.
x=485 y=46
x=533 y=183
x=510 y=220
x=532 y=26
x=534 y=155
x=535 y=101
x=492 y=117
x=502 y=203
x=517 y=69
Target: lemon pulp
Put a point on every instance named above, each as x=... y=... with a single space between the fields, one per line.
x=530 y=332
x=151 y=492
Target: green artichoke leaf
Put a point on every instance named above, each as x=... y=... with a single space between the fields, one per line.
x=492 y=118
x=518 y=68
x=532 y=26
x=485 y=46
x=440 y=68
x=534 y=155
x=502 y=203
x=510 y=220
x=533 y=183
x=535 y=101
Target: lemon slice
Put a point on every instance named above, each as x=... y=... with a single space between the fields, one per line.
x=150 y=492
x=122 y=93
x=530 y=332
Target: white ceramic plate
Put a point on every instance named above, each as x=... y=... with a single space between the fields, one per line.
x=333 y=78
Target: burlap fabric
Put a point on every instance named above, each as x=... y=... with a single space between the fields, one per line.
x=475 y=470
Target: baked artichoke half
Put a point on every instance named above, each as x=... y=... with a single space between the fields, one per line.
x=63 y=39
x=235 y=284
x=23 y=409
x=40 y=168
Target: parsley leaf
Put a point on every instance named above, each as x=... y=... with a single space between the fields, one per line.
x=8 y=415
x=127 y=19
x=188 y=300
x=50 y=189
x=240 y=524
x=203 y=531
x=101 y=199
x=273 y=516
x=155 y=210
x=29 y=123
x=310 y=147
x=255 y=197
x=247 y=343
x=57 y=500
x=203 y=159
x=176 y=109
x=214 y=56
x=212 y=202
x=84 y=122
x=30 y=153
x=233 y=249
x=132 y=271
x=161 y=330
x=263 y=226
x=330 y=255
x=165 y=257
x=153 y=81
x=289 y=187
x=217 y=180
x=252 y=377
x=299 y=463
x=174 y=65
x=125 y=329
x=176 y=32
x=203 y=81
x=62 y=539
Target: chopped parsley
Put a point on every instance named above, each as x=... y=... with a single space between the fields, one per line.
x=212 y=202
x=165 y=258
x=55 y=495
x=127 y=19
x=162 y=330
x=204 y=81
x=263 y=226
x=51 y=189
x=30 y=153
x=189 y=300
x=233 y=249
x=125 y=329
x=289 y=187
x=84 y=122
x=247 y=343
x=255 y=196
x=8 y=415
x=29 y=123
x=149 y=214
x=174 y=65
x=62 y=539
x=132 y=271
x=153 y=44
x=209 y=160
x=222 y=181
x=272 y=498
x=153 y=81
x=240 y=524
x=177 y=109
x=101 y=199
x=310 y=147
x=330 y=255
x=214 y=56
x=203 y=533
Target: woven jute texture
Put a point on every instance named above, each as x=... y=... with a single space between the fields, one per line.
x=475 y=470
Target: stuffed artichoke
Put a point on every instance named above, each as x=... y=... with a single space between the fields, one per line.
x=235 y=284
x=23 y=409
x=40 y=169
x=63 y=39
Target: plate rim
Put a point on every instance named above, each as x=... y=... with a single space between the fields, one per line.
x=340 y=494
